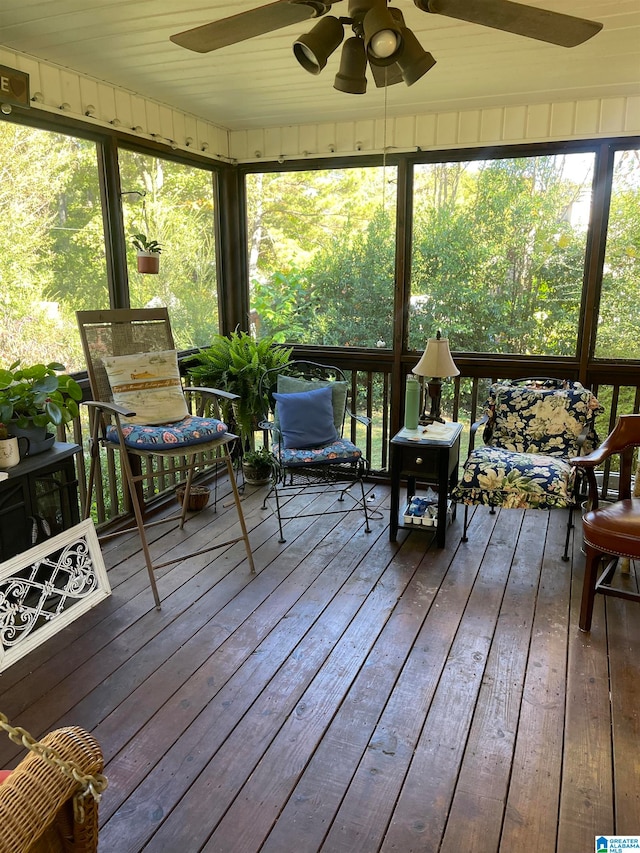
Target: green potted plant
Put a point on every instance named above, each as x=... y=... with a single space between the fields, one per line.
x=236 y=363
x=33 y=397
x=257 y=466
x=148 y=253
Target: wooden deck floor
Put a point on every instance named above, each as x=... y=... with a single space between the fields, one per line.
x=353 y=695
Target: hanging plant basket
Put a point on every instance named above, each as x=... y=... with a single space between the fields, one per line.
x=148 y=262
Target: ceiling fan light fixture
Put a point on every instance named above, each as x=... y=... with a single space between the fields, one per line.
x=351 y=77
x=314 y=48
x=382 y=35
x=413 y=61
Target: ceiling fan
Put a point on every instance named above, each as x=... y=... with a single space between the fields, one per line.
x=380 y=37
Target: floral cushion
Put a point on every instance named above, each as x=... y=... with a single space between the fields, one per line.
x=339 y=451
x=189 y=431
x=534 y=419
x=496 y=477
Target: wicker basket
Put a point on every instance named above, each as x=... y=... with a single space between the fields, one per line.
x=198 y=497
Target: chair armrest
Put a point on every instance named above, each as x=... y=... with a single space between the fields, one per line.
x=32 y=797
x=112 y=408
x=591 y=460
x=361 y=419
x=474 y=429
x=211 y=392
x=623 y=436
x=216 y=397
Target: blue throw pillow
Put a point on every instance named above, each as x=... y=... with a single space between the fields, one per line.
x=306 y=418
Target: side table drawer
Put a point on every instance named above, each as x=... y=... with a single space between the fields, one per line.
x=420 y=461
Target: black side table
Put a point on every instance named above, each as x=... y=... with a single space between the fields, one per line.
x=432 y=461
x=38 y=499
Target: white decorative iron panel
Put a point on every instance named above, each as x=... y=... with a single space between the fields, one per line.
x=45 y=588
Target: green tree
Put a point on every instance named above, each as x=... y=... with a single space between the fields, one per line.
x=321 y=255
x=496 y=262
x=173 y=203
x=45 y=265
x=620 y=306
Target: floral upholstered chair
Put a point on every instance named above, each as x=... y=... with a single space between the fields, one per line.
x=532 y=428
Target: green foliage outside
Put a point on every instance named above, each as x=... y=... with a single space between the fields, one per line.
x=52 y=258
x=172 y=204
x=321 y=255
x=497 y=258
x=52 y=244
x=620 y=303
x=498 y=255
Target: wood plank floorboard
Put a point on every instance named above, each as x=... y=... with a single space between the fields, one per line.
x=354 y=694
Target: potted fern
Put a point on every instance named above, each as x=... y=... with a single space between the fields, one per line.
x=148 y=253
x=236 y=363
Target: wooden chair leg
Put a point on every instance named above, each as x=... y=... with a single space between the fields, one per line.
x=589 y=587
x=187 y=492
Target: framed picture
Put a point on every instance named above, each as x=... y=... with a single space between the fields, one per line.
x=45 y=588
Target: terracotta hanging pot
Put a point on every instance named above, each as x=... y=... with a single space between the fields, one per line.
x=148 y=262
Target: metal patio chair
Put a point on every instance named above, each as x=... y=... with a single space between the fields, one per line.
x=305 y=415
x=140 y=410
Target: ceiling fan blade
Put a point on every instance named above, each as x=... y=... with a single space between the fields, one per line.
x=386 y=75
x=529 y=21
x=247 y=25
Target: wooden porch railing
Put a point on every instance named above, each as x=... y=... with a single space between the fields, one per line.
x=374 y=394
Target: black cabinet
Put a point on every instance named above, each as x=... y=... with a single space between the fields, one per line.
x=38 y=499
x=426 y=460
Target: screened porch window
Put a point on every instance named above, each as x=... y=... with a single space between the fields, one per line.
x=498 y=253
x=173 y=203
x=321 y=255
x=52 y=248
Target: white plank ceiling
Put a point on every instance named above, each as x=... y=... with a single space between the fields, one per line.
x=259 y=84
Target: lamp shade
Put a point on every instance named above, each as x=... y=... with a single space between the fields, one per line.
x=436 y=359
